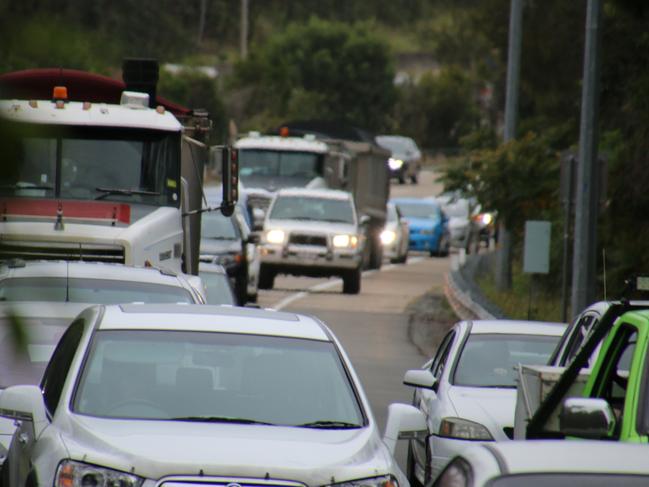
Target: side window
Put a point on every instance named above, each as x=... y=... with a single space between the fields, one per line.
x=577 y=339
x=441 y=356
x=59 y=365
x=611 y=383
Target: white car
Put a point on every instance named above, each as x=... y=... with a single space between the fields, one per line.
x=395 y=236
x=556 y=463
x=142 y=395
x=95 y=283
x=314 y=233
x=468 y=390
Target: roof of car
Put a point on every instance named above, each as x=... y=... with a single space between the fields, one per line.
x=518 y=327
x=87 y=270
x=224 y=319
x=415 y=201
x=275 y=142
x=315 y=193
x=570 y=456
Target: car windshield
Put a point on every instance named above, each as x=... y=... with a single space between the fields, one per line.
x=268 y=163
x=457 y=209
x=312 y=208
x=215 y=377
x=218 y=288
x=95 y=291
x=396 y=144
x=26 y=365
x=428 y=210
x=571 y=479
x=488 y=360
x=216 y=226
x=95 y=163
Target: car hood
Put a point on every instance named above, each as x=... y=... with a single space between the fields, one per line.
x=418 y=223
x=311 y=226
x=213 y=246
x=154 y=449
x=491 y=407
x=273 y=183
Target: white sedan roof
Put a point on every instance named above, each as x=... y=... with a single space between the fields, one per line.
x=94 y=114
x=277 y=143
x=518 y=327
x=223 y=319
x=334 y=194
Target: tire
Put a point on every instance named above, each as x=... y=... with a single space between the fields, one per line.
x=410 y=469
x=352 y=282
x=376 y=253
x=266 y=279
x=402 y=178
x=414 y=179
x=252 y=298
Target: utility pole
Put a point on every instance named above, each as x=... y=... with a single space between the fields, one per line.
x=244 y=29
x=584 y=263
x=503 y=264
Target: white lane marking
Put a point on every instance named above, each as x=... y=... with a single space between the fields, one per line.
x=335 y=282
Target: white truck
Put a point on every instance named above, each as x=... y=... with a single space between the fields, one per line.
x=114 y=181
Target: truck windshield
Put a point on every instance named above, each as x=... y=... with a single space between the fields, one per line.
x=95 y=163
x=256 y=163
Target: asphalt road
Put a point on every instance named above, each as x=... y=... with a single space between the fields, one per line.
x=372 y=325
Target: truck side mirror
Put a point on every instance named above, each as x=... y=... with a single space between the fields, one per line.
x=364 y=219
x=404 y=422
x=24 y=403
x=587 y=418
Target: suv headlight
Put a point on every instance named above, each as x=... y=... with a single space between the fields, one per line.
x=275 y=236
x=384 y=481
x=394 y=163
x=345 y=241
x=77 y=474
x=388 y=237
x=462 y=429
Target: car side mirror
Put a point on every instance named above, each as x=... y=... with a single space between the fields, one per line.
x=587 y=418
x=24 y=403
x=420 y=378
x=254 y=238
x=364 y=219
x=404 y=422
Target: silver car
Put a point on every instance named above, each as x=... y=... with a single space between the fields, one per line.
x=315 y=233
x=178 y=395
x=556 y=463
x=395 y=236
x=468 y=390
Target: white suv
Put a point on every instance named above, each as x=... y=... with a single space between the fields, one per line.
x=154 y=395
x=314 y=233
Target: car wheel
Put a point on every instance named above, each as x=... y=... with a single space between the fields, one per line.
x=414 y=179
x=410 y=469
x=252 y=298
x=402 y=178
x=352 y=282
x=266 y=279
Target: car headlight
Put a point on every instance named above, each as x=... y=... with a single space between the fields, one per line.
x=462 y=429
x=275 y=236
x=384 y=481
x=77 y=474
x=344 y=241
x=486 y=218
x=395 y=163
x=458 y=473
x=388 y=237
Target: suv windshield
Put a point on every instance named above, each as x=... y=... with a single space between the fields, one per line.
x=290 y=164
x=96 y=291
x=95 y=163
x=311 y=208
x=216 y=377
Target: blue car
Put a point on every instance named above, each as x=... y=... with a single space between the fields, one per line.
x=428 y=224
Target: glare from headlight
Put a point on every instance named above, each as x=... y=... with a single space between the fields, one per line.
x=395 y=163
x=71 y=473
x=388 y=237
x=463 y=429
x=275 y=236
x=343 y=241
x=487 y=218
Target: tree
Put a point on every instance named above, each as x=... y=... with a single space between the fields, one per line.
x=323 y=70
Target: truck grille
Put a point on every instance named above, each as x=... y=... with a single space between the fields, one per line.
x=62 y=251
x=302 y=239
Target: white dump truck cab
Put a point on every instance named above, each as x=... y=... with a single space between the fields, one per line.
x=92 y=181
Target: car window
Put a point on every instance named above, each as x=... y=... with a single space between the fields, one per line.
x=95 y=291
x=216 y=226
x=577 y=338
x=570 y=479
x=441 y=357
x=218 y=288
x=312 y=208
x=57 y=370
x=185 y=374
x=488 y=360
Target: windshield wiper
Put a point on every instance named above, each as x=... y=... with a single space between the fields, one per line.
x=219 y=419
x=123 y=192
x=335 y=220
x=327 y=424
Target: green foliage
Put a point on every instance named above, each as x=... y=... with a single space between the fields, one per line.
x=325 y=70
x=439 y=110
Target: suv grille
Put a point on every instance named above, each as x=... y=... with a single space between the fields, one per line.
x=62 y=251
x=315 y=240
x=223 y=482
